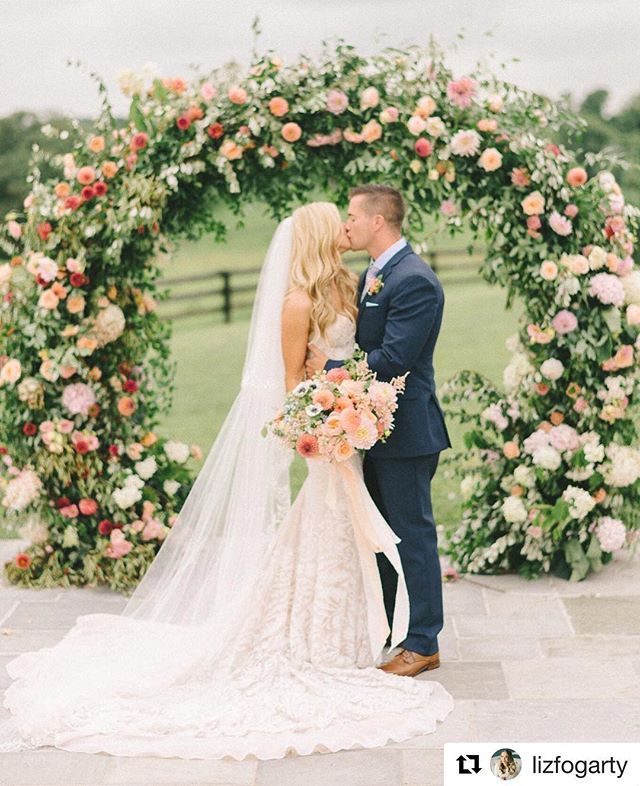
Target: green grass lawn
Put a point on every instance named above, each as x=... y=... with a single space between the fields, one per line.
x=210 y=354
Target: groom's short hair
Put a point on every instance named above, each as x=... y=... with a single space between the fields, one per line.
x=386 y=201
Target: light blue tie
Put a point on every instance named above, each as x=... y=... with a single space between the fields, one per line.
x=372 y=272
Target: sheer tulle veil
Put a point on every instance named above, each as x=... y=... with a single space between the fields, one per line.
x=208 y=562
x=191 y=604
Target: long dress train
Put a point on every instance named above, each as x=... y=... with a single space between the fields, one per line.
x=300 y=677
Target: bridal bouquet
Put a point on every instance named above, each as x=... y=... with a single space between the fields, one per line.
x=338 y=411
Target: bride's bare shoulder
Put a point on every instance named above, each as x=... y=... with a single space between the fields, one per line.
x=297 y=301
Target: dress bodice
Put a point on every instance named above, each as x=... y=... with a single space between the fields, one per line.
x=340 y=338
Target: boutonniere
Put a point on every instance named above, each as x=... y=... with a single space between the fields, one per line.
x=375 y=285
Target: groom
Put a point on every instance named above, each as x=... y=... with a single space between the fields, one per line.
x=400 y=311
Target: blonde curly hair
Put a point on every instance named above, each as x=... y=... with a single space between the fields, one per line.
x=317 y=266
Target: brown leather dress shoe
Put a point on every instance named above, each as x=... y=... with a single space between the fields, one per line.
x=408 y=664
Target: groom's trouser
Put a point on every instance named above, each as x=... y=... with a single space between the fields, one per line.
x=401 y=489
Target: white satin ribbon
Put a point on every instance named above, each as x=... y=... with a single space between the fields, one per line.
x=373 y=534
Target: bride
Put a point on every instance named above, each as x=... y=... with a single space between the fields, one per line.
x=258 y=628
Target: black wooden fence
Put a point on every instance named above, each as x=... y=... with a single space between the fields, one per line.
x=227 y=292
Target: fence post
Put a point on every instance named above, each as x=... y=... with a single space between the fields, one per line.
x=226 y=294
x=433 y=260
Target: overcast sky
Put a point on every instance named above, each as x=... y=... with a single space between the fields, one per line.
x=563 y=45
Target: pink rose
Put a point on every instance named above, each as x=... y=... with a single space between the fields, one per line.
x=307 y=446
x=278 y=106
x=337 y=102
x=119 y=546
x=577 y=176
x=15 y=230
x=238 y=95
x=369 y=98
x=448 y=208
x=564 y=322
x=571 y=211
x=291 y=132
x=86 y=175
x=153 y=529
x=520 y=177
x=349 y=419
x=351 y=136
x=338 y=375
x=88 y=506
x=389 y=115
x=208 y=91
x=560 y=225
x=461 y=91
x=533 y=222
x=371 y=132
x=580 y=404
x=423 y=147
x=324 y=399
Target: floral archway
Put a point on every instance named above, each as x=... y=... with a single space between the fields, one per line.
x=550 y=474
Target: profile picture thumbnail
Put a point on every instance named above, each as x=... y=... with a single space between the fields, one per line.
x=506 y=764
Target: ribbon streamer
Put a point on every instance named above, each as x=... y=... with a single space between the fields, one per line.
x=373 y=534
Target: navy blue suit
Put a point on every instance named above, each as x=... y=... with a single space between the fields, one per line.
x=398 y=328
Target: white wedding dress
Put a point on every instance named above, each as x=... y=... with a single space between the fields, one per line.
x=300 y=677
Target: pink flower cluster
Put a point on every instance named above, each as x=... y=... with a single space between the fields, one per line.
x=607 y=289
x=337 y=412
x=461 y=91
x=77 y=398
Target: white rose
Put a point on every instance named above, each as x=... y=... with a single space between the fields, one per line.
x=514 y=511
x=467 y=485
x=126 y=497
x=495 y=103
x=170 y=487
x=552 y=369
x=517 y=369
x=176 y=451
x=631 y=286
x=597 y=258
x=547 y=457
x=109 y=324
x=6 y=271
x=580 y=501
x=147 y=467
x=593 y=453
x=524 y=476
x=416 y=125
x=435 y=126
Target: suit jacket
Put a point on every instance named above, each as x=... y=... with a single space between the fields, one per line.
x=398 y=329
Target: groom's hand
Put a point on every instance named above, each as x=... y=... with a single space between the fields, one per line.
x=315 y=360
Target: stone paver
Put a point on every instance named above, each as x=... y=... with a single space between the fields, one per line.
x=356 y=768
x=571 y=678
x=617 y=615
x=542 y=660
x=156 y=771
x=558 y=719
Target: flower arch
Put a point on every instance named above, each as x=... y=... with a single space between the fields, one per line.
x=550 y=474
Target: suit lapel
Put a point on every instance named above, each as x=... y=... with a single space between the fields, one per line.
x=399 y=255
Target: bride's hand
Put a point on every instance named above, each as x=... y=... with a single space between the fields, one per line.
x=316 y=360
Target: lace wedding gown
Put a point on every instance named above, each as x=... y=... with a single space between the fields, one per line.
x=300 y=678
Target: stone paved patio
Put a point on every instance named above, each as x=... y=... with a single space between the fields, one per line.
x=525 y=661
